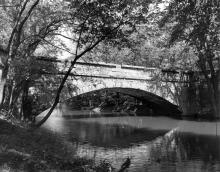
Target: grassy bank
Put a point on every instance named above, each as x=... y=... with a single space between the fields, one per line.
x=25 y=150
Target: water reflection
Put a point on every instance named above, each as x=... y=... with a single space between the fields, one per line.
x=154 y=144
x=106 y=135
x=186 y=152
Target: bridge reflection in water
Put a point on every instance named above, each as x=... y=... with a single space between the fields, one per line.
x=153 y=143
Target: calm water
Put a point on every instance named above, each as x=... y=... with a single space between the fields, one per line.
x=153 y=143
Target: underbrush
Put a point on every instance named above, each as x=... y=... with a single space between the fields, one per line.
x=25 y=150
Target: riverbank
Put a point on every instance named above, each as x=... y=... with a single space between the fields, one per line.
x=25 y=150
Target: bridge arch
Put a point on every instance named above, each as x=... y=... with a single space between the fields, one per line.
x=158 y=104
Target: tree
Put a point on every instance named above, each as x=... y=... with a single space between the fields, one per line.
x=14 y=37
x=28 y=28
x=36 y=24
x=197 y=23
x=95 y=21
x=147 y=46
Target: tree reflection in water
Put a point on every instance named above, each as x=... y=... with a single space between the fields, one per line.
x=154 y=144
x=185 y=152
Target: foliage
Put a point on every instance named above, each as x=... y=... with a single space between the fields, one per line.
x=122 y=31
x=147 y=46
x=27 y=25
x=197 y=23
x=95 y=21
x=104 y=166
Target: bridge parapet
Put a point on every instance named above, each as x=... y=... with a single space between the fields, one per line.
x=120 y=71
x=117 y=72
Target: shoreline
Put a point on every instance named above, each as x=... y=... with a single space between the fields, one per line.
x=77 y=114
x=24 y=150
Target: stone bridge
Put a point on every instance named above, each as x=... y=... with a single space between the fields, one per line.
x=93 y=76
x=161 y=83
x=182 y=88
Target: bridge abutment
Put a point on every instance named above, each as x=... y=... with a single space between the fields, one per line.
x=196 y=101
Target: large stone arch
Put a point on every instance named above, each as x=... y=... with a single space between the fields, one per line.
x=160 y=105
x=99 y=83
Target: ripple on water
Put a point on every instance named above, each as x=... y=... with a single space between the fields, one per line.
x=153 y=143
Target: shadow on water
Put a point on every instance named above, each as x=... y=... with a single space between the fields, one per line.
x=153 y=143
x=109 y=132
x=107 y=136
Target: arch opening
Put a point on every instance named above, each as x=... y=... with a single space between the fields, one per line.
x=121 y=101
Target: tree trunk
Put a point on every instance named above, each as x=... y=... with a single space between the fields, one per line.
x=14 y=104
x=212 y=81
x=26 y=104
x=8 y=94
x=214 y=97
x=3 y=79
x=56 y=101
x=12 y=92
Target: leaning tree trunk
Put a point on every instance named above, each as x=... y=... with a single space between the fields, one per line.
x=57 y=98
x=56 y=101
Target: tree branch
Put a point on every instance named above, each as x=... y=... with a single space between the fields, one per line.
x=16 y=25
x=58 y=47
x=65 y=36
x=56 y=101
x=25 y=19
